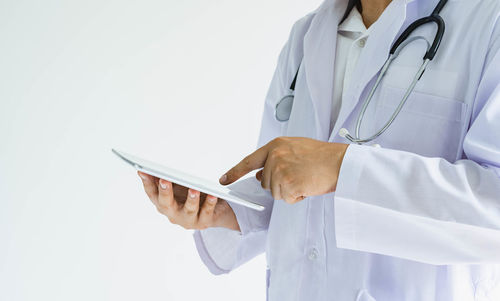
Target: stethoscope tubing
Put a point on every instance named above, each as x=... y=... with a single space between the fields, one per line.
x=431 y=52
x=400 y=43
x=368 y=99
x=394 y=114
x=284 y=106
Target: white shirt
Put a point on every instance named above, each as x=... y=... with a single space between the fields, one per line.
x=351 y=38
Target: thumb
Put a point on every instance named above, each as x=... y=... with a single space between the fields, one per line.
x=258 y=175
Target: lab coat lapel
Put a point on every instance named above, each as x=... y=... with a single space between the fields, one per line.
x=371 y=60
x=319 y=57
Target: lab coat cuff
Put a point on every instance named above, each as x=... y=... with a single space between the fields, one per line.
x=205 y=255
x=347 y=184
x=241 y=217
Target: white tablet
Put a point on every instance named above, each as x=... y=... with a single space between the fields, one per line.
x=184 y=179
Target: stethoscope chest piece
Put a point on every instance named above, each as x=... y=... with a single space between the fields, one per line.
x=284 y=108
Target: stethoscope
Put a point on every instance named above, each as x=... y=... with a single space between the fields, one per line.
x=284 y=106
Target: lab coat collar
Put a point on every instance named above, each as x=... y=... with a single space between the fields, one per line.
x=319 y=57
x=382 y=35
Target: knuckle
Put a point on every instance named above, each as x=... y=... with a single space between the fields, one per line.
x=277 y=140
x=275 y=154
x=286 y=179
x=189 y=209
x=209 y=209
x=163 y=204
x=280 y=166
x=247 y=161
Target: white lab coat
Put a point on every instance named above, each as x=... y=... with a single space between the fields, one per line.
x=419 y=218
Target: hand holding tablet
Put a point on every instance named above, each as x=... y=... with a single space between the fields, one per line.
x=187 y=207
x=188 y=200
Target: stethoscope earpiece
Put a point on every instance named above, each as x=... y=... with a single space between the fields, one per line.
x=343 y=132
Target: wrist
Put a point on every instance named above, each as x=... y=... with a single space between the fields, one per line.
x=338 y=152
x=228 y=220
x=231 y=225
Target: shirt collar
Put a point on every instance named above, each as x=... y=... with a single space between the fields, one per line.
x=353 y=23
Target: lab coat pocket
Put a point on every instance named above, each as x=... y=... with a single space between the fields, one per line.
x=428 y=125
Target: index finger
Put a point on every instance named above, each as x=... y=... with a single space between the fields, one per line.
x=255 y=160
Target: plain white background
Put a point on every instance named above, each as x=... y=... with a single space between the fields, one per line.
x=180 y=82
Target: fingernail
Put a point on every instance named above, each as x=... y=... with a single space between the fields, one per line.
x=163 y=185
x=211 y=200
x=192 y=194
x=223 y=178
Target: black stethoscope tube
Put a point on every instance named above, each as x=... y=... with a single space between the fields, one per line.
x=439 y=7
x=433 y=17
x=413 y=26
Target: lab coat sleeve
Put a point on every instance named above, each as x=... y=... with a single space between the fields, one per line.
x=221 y=249
x=429 y=210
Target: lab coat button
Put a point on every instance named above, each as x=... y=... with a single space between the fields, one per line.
x=361 y=43
x=313 y=254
